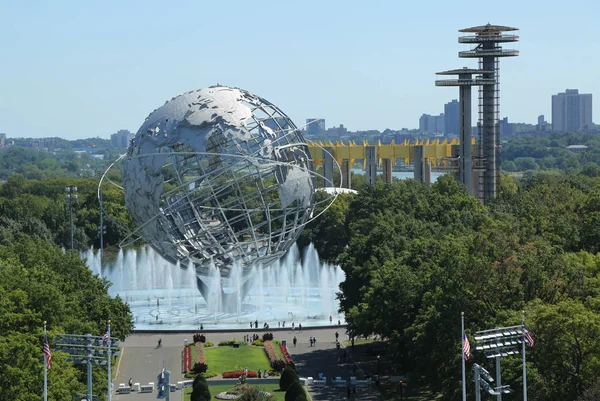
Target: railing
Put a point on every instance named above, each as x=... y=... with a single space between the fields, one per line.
x=490 y=52
x=488 y=38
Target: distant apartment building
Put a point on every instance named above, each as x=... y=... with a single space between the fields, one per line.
x=337 y=131
x=571 y=111
x=451 y=118
x=315 y=126
x=506 y=128
x=276 y=124
x=541 y=123
x=121 y=139
x=431 y=124
x=2 y=139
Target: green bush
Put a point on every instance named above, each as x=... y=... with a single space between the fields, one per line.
x=200 y=367
x=200 y=391
x=288 y=377
x=259 y=342
x=209 y=344
x=295 y=392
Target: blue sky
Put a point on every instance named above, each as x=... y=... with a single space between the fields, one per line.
x=80 y=69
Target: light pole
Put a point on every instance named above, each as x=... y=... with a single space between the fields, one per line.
x=71 y=196
x=378 y=369
x=401 y=390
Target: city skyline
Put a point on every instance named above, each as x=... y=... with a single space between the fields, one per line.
x=79 y=71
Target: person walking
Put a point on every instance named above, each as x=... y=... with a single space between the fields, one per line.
x=300 y=327
x=330 y=319
x=337 y=335
x=295 y=341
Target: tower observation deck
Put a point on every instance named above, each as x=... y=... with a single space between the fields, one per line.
x=487 y=40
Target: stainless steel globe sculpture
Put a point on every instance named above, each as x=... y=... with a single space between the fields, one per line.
x=219 y=176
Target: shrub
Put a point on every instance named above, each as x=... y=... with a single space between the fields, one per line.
x=259 y=343
x=200 y=367
x=209 y=344
x=288 y=377
x=237 y=373
x=295 y=392
x=200 y=391
x=230 y=343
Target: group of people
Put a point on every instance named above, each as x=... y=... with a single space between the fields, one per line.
x=249 y=338
x=313 y=341
x=331 y=320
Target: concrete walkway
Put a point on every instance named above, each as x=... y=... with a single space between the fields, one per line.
x=142 y=361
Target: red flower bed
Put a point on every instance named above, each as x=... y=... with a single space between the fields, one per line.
x=286 y=355
x=238 y=373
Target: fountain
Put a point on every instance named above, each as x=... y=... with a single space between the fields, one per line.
x=165 y=297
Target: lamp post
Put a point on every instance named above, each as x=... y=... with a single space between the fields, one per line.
x=401 y=390
x=378 y=368
x=71 y=196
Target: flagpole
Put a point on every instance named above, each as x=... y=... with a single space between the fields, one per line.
x=45 y=367
x=524 y=366
x=462 y=347
x=109 y=378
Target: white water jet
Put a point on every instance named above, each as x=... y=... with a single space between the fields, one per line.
x=306 y=288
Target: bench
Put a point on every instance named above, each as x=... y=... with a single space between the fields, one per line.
x=339 y=383
x=319 y=383
x=123 y=390
x=147 y=388
x=364 y=383
x=187 y=383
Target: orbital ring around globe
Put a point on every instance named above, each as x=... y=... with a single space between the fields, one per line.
x=135 y=233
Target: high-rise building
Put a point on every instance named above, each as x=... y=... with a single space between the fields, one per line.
x=451 y=118
x=571 y=111
x=315 y=126
x=431 y=124
x=541 y=123
x=276 y=124
x=506 y=128
x=121 y=138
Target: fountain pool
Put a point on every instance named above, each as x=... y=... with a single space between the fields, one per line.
x=163 y=296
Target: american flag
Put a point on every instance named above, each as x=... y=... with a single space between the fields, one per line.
x=47 y=353
x=466 y=347
x=528 y=337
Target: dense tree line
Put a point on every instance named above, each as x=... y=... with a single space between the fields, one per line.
x=529 y=152
x=39 y=282
x=39 y=208
x=416 y=256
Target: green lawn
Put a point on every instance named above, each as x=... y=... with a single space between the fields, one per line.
x=278 y=395
x=225 y=359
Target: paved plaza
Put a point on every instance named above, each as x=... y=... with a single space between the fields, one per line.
x=141 y=360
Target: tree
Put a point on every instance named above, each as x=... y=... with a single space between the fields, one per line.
x=200 y=390
x=288 y=377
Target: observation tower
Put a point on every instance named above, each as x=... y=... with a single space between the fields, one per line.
x=465 y=81
x=487 y=40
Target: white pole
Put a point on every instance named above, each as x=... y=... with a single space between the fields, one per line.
x=524 y=366
x=462 y=347
x=109 y=376
x=45 y=366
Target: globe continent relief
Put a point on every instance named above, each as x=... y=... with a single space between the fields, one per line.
x=219 y=176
